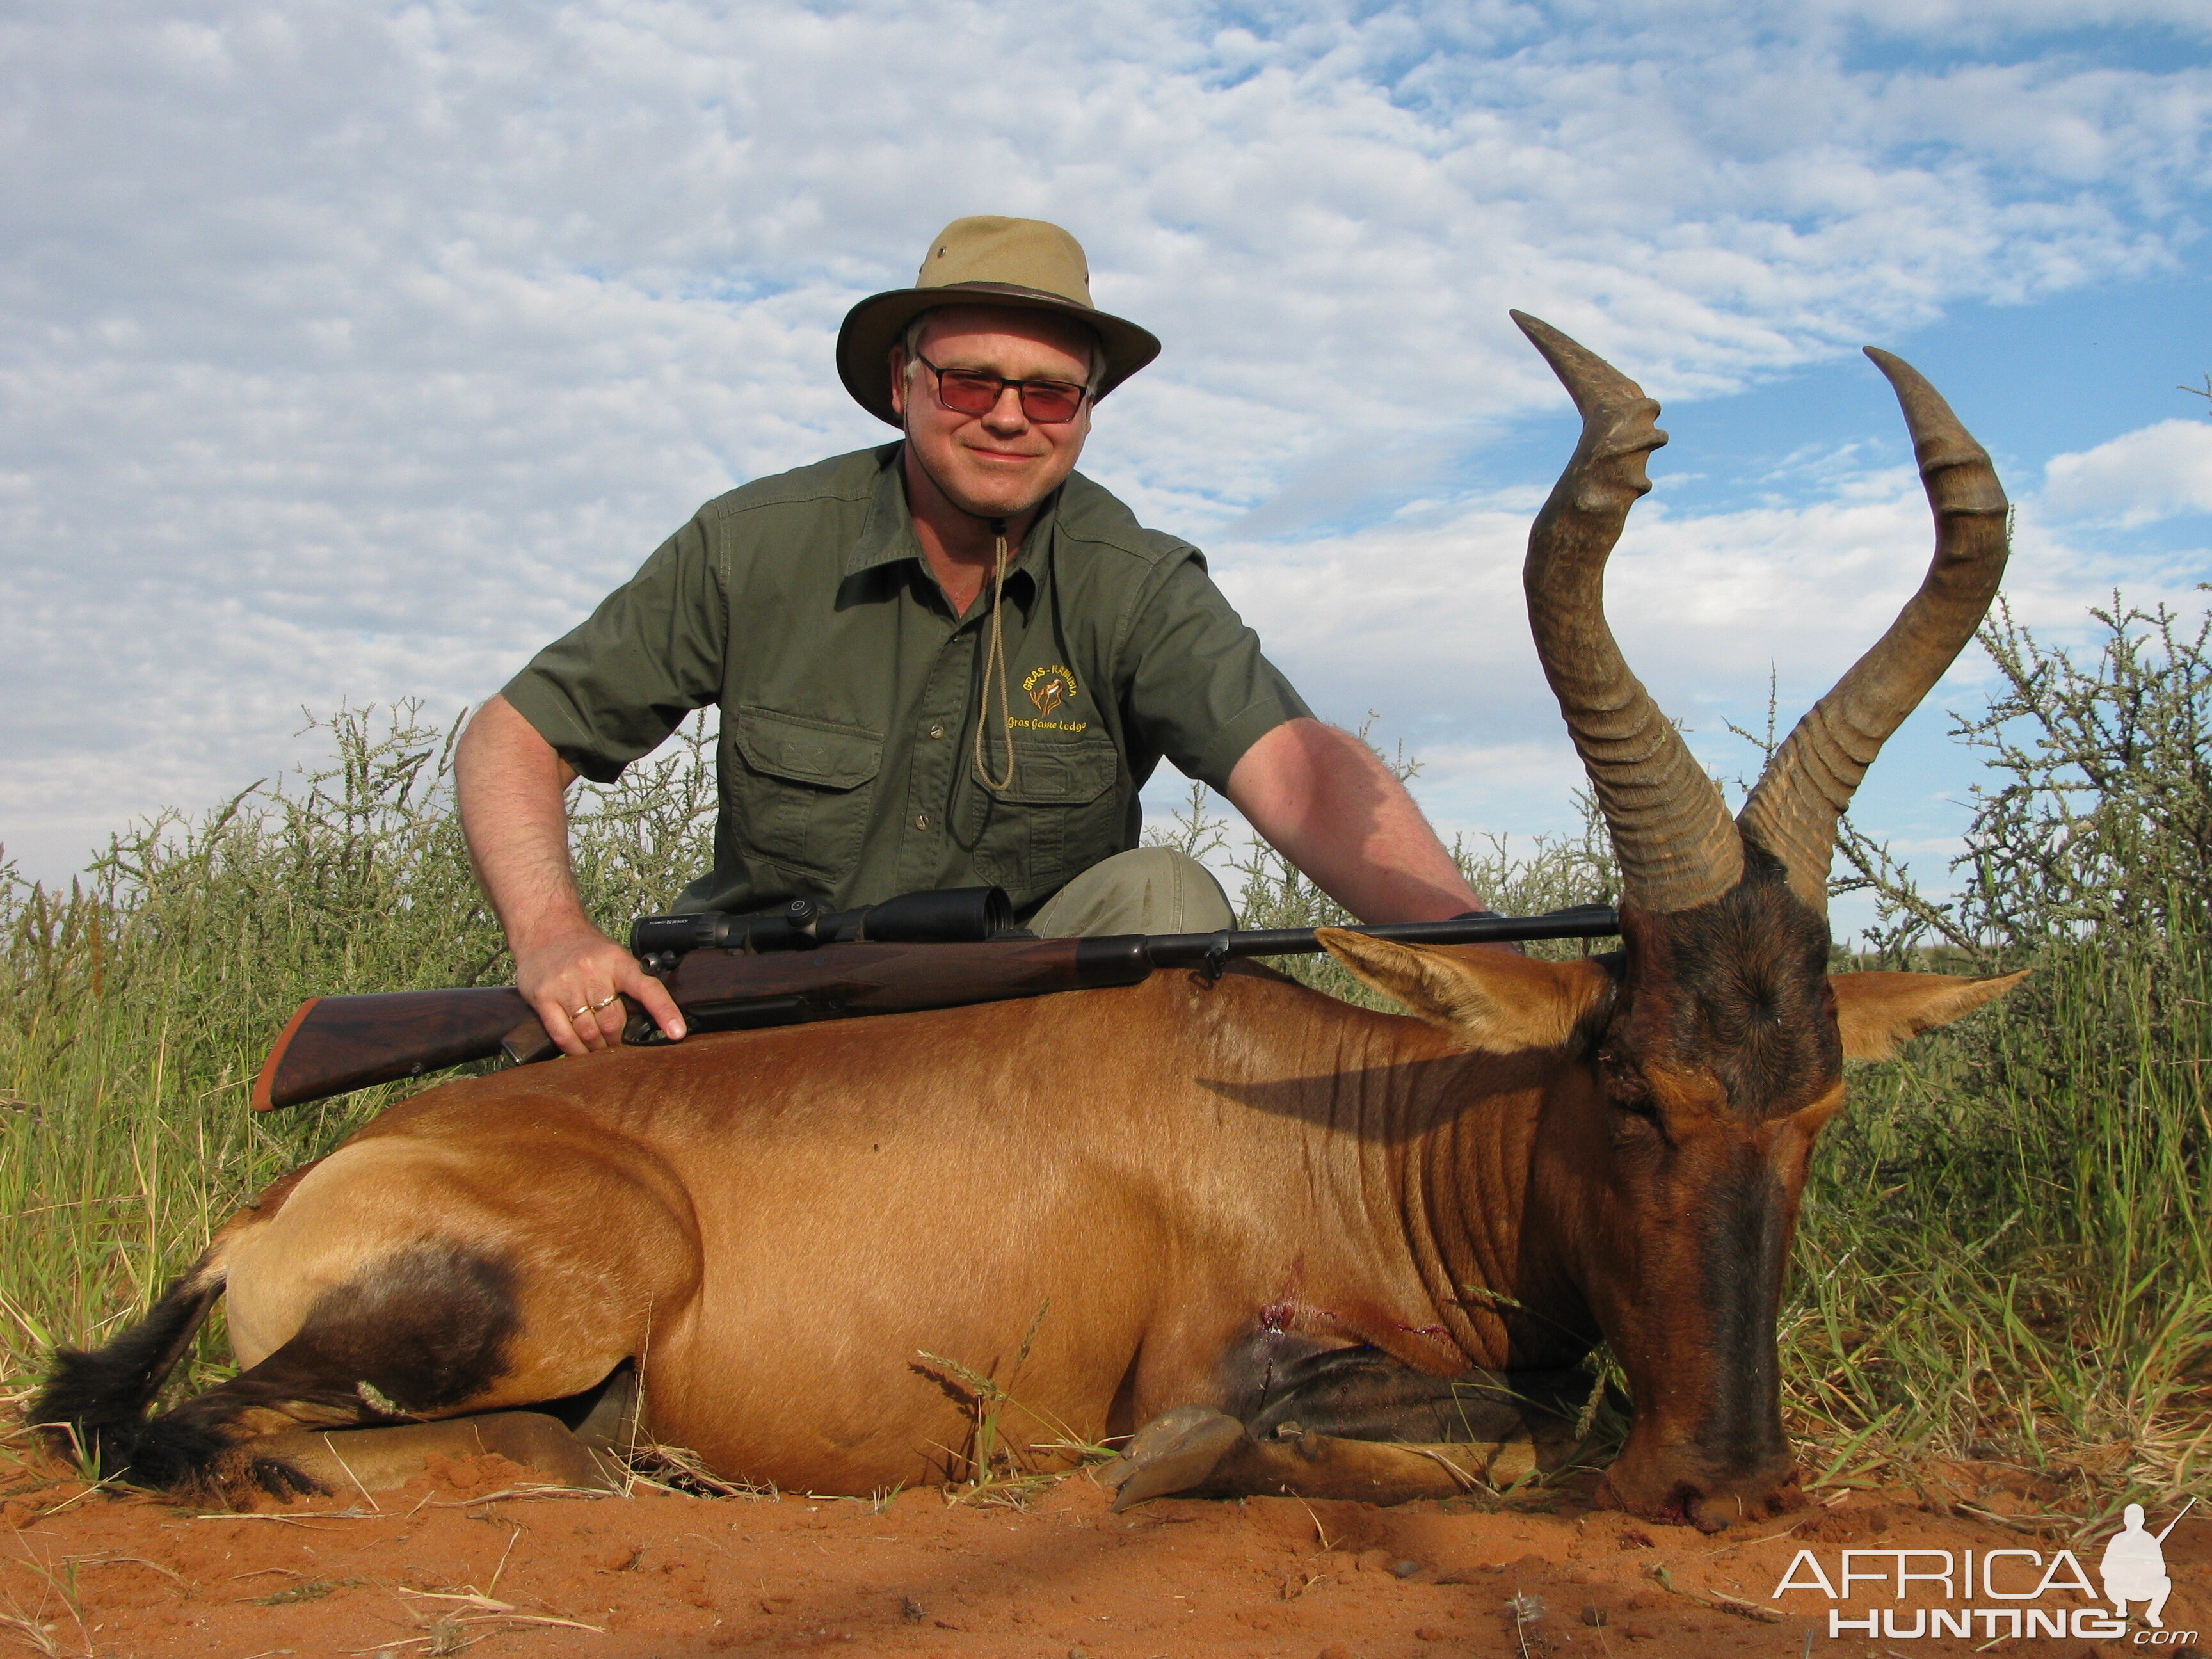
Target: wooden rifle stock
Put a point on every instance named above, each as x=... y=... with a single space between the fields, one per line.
x=336 y=1044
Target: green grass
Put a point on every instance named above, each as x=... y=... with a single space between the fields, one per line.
x=2007 y=1253
x=2003 y=1279
x=2004 y=1258
x=136 y=1009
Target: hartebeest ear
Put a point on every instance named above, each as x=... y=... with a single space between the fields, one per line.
x=1878 y=1012
x=1496 y=1000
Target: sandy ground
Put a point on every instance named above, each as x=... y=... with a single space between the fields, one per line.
x=466 y=1561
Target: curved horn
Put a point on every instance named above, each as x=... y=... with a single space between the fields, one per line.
x=1671 y=829
x=1809 y=782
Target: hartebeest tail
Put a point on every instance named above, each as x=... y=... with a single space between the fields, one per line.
x=432 y=1323
x=95 y=1404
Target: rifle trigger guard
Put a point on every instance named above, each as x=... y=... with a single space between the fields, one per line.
x=1214 y=962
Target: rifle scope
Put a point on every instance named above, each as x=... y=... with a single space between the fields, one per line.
x=957 y=915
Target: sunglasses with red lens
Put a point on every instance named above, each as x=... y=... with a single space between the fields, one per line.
x=972 y=392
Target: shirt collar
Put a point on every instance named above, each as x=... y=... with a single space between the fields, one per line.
x=887 y=533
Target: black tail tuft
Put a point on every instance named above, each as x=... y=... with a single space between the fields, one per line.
x=166 y=1454
x=422 y=1332
x=93 y=1404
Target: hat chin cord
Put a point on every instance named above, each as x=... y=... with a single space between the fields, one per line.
x=995 y=666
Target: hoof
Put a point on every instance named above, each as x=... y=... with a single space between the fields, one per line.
x=282 y=1482
x=1710 y=1514
x=1174 y=1452
x=612 y=1427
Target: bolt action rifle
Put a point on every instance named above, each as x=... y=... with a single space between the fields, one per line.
x=726 y=973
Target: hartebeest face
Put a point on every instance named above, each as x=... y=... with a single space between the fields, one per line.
x=1674 y=1153
x=1668 y=1148
x=1681 y=1138
x=1720 y=1063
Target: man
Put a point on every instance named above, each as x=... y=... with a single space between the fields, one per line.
x=2134 y=1568
x=952 y=661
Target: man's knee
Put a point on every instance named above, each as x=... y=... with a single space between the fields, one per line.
x=1149 y=890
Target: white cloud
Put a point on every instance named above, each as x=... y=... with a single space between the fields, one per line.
x=1424 y=624
x=1705 y=606
x=350 y=350
x=2156 y=473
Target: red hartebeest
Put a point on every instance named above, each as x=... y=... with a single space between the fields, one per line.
x=1239 y=1205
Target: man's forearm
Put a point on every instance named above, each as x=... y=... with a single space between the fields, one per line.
x=1326 y=802
x=510 y=784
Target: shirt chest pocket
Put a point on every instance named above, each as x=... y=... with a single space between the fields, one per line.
x=1060 y=816
x=802 y=789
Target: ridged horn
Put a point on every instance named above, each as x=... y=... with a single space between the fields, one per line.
x=1671 y=830
x=1809 y=781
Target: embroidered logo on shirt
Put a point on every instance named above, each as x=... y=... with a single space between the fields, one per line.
x=1049 y=688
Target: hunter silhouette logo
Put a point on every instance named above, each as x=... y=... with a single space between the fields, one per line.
x=1049 y=688
x=2134 y=1567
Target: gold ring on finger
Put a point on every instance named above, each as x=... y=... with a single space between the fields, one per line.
x=610 y=996
x=578 y=1013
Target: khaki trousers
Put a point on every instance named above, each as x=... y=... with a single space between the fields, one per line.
x=1149 y=890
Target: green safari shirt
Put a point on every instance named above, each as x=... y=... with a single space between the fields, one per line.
x=850 y=692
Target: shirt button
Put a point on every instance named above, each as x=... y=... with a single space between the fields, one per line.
x=921 y=820
x=936 y=731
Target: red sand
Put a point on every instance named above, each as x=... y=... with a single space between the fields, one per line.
x=459 y=1563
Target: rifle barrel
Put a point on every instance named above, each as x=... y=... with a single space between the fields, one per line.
x=2176 y=1522
x=1577 y=921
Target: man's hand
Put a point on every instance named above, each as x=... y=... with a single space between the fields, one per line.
x=510 y=781
x=575 y=977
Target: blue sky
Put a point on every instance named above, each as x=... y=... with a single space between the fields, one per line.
x=351 y=350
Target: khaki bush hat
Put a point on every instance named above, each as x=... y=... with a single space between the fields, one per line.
x=984 y=261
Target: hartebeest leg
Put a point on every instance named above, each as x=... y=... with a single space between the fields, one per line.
x=1356 y=1423
x=579 y=1442
x=1177 y=1451
x=1372 y=1471
x=424 y=1332
x=1196 y=1452
x=384 y=1460
x=396 y=1283
x=1364 y=1394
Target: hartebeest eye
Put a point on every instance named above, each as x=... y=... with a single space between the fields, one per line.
x=1626 y=1088
x=1636 y=1125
